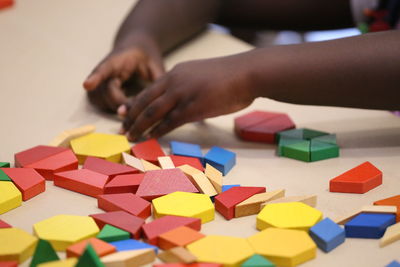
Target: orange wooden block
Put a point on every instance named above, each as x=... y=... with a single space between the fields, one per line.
x=178 y=237
x=102 y=248
x=391 y=201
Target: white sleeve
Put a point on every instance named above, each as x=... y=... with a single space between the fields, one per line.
x=358 y=7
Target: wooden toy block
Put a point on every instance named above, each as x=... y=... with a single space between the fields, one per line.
x=221 y=159
x=197 y=264
x=44 y=252
x=6 y=3
x=226 y=187
x=28 y=181
x=253 y=118
x=128 y=202
x=182 y=160
x=358 y=180
x=131 y=258
x=8 y=263
x=148 y=150
x=178 y=237
x=199 y=179
x=321 y=150
x=252 y=205
x=166 y=162
x=108 y=168
x=369 y=225
x=291 y=134
x=65 y=137
x=391 y=235
x=184 y=204
x=82 y=181
x=110 y=233
x=104 y=146
x=291 y=215
x=4 y=165
x=64 y=230
x=393 y=264
x=391 y=201
x=186 y=149
x=36 y=154
x=71 y=262
x=215 y=177
x=89 y=258
x=309 y=134
x=232 y=251
x=284 y=247
x=4 y=176
x=162 y=182
x=299 y=151
x=120 y=219
x=148 y=166
x=102 y=248
x=132 y=244
x=257 y=261
x=328 y=138
x=10 y=197
x=310 y=200
x=3 y=224
x=327 y=234
x=284 y=142
x=133 y=162
x=366 y=209
x=177 y=254
x=16 y=245
x=226 y=201
x=152 y=230
x=125 y=183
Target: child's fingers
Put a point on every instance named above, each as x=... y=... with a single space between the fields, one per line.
x=156 y=70
x=173 y=120
x=99 y=74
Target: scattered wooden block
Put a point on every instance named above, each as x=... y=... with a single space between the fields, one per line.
x=310 y=200
x=178 y=237
x=366 y=209
x=132 y=244
x=177 y=254
x=4 y=176
x=82 y=181
x=393 y=264
x=226 y=201
x=131 y=258
x=148 y=166
x=391 y=201
x=215 y=177
x=8 y=263
x=128 y=202
x=327 y=235
x=322 y=150
x=133 y=162
x=299 y=150
x=369 y=225
x=186 y=149
x=199 y=180
x=391 y=235
x=4 y=164
x=36 y=154
x=148 y=150
x=358 y=180
x=16 y=245
x=110 y=233
x=120 y=219
x=44 y=252
x=226 y=187
x=28 y=181
x=10 y=197
x=6 y=3
x=102 y=248
x=252 y=205
x=108 y=168
x=125 y=183
x=257 y=260
x=89 y=258
x=166 y=162
x=71 y=262
x=182 y=160
x=65 y=137
x=3 y=224
x=221 y=159
x=152 y=230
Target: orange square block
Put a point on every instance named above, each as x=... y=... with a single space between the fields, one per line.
x=178 y=237
x=391 y=201
x=102 y=248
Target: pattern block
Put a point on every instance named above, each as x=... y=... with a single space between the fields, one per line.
x=125 y=183
x=252 y=205
x=148 y=150
x=391 y=201
x=10 y=197
x=4 y=176
x=177 y=254
x=102 y=248
x=64 y=138
x=369 y=225
x=35 y=154
x=108 y=168
x=89 y=258
x=28 y=181
x=4 y=164
x=257 y=261
x=199 y=179
x=71 y=262
x=16 y=245
x=8 y=263
x=186 y=149
x=44 y=252
x=3 y=224
x=182 y=160
x=128 y=202
x=327 y=234
x=129 y=258
x=393 y=264
x=178 y=237
x=132 y=244
x=221 y=159
x=110 y=233
x=391 y=235
x=215 y=177
x=360 y=179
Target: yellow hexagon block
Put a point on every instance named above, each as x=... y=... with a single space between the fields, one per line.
x=226 y=250
x=70 y=262
x=16 y=245
x=291 y=215
x=105 y=146
x=185 y=204
x=10 y=196
x=64 y=230
x=284 y=247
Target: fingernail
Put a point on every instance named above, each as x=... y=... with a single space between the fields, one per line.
x=122 y=110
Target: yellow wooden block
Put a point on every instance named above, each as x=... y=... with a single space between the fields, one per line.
x=185 y=204
x=310 y=200
x=215 y=177
x=291 y=215
x=366 y=209
x=391 y=235
x=70 y=262
x=252 y=205
x=129 y=258
x=148 y=166
x=65 y=137
x=105 y=146
x=166 y=162
x=64 y=230
x=284 y=247
x=10 y=196
x=199 y=179
x=226 y=250
x=132 y=161
x=177 y=254
x=16 y=245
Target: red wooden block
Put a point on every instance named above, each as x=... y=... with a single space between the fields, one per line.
x=5 y=4
x=182 y=160
x=128 y=202
x=36 y=154
x=27 y=180
x=253 y=118
x=170 y=265
x=108 y=168
x=8 y=263
x=188 y=265
x=82 y=181
x=358 y=180
x=162 y=182
x=391 y=201
x=125 y=183
x=226 y=201
x=122 y=220
x=102 y=248
x=63 y=161
x=178 y=237
x=152 y=230
x=3 y=224
x=148 y=150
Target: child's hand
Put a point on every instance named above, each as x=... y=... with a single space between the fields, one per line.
x=191 y=91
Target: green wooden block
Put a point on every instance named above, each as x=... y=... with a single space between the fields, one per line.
x=4 y=165
x=110 y=233
x=257 y=261
x=322 y=150
x=89 y=258
x=44 y=252
x=329 y=138
x=309 y=134
x=299 y=151
x=285 y=142
x=290 y=134
x=4 y=176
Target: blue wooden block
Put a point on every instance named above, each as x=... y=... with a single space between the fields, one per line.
x=369 y=225
x=186 y=149
x=221 y=159
x=393 y=264
x=131 y=244
x=229 y=186
x=327 y=234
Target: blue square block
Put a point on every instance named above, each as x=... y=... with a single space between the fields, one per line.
x=186 y=149
x=393 y=264
x=327 y=234
x=369 y=225
x=221 y=159
x=131 y=244
x=229 y=186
